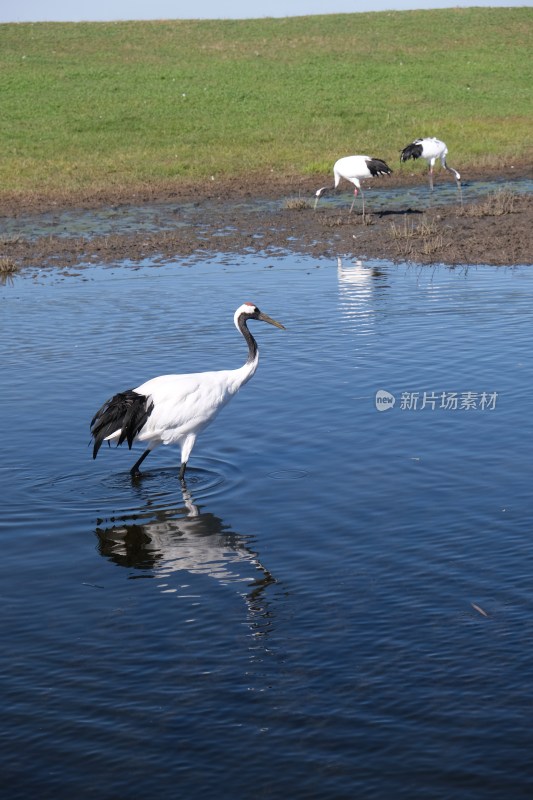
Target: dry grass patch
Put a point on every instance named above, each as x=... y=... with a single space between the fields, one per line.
x=7 y=267
x=297 y=204
x=495 y=204
x=348 y=219
x=412 y=240
x=409 y=230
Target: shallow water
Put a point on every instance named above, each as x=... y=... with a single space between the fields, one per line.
x=169 y=216
x=340 y=604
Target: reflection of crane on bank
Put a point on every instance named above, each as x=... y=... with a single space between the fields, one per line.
x=186 y=539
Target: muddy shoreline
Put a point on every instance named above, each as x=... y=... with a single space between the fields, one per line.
x=489 y=231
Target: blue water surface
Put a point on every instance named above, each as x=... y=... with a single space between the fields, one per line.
x=339 y=604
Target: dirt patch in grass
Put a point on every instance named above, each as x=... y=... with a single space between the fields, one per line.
x=496 y=230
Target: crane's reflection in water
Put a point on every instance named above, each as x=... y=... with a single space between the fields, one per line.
x=359 y=286
x=168 y=540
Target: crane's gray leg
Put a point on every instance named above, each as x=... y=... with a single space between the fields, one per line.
x=134 y=471
x=186 y=448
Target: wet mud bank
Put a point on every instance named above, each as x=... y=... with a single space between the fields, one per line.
x=496 y=228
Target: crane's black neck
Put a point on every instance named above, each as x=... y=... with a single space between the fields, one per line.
x=252 y=344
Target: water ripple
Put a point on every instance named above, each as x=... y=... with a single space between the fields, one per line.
x=117 y=496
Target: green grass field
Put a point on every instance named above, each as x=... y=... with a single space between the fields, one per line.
x=90 y=105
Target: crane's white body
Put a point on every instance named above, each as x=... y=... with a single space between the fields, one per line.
x=430 y=149
x=355 y=169
x=185 y=404
x=174 y=409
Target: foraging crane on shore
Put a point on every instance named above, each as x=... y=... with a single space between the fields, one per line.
x=430 y=149
x=174 y=409
x=354 y=169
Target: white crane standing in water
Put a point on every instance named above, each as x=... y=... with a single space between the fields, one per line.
x=430 y=149
x=354 y=169
x=174 y=409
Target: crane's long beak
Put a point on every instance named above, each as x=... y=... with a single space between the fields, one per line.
x=266 y=318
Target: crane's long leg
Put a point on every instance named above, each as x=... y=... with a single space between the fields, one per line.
x=431 y=178
x=134 y=471
x=186 y=449
x=363 y=199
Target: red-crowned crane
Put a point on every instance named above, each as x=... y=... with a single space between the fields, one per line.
x=430 y=149
x=174 y=409
x=354 y=169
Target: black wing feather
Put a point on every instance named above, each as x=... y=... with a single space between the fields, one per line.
x=413 y=150
x=378 y=167
x=126 y=411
